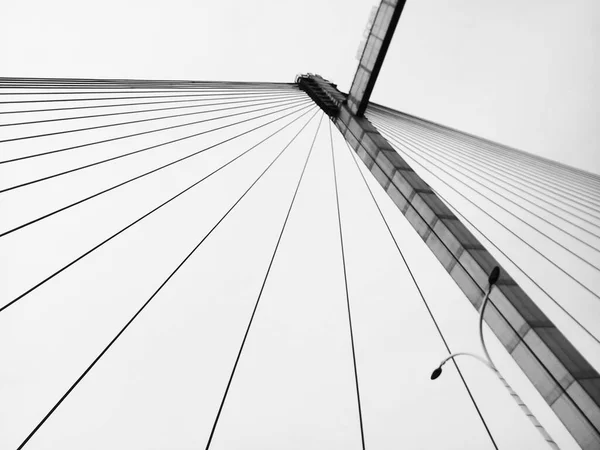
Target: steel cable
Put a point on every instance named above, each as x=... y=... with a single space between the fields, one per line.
x=139 y=311
x=135 y=152
x=122 y=230
x=264 y=282
x=422 y=296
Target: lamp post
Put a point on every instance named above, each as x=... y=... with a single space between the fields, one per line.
x=487 y=361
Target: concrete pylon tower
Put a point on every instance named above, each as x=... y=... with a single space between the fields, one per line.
x=568 y=383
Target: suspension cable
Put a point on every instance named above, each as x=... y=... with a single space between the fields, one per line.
x=135 y=97
x=536 y=284
x=471 y=153
x=413 y=149
x=139 y=311
x=134 y=152
x=239 y=354
x=112 y=139
x=425 y=303
x=99 y=90
x=170 y=108
x=193 y=98
x=489 y=180
x=548 y=295
x=138 y=220
x=513 y=233
x=468 y=159
x=343 y=254
x=510 y=154
x=130 y=122
x=502 y=315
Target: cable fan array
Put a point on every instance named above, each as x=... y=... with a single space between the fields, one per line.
x=90 y=139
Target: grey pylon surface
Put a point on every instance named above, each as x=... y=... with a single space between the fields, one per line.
x=568 y=383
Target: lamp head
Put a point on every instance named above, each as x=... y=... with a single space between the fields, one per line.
x=436 y=373
x=494 y=275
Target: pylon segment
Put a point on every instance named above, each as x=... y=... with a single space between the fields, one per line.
x=568 y=383
x=373 y=54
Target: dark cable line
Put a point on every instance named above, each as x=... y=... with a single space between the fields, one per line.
x=136 y=97
x=137 y=177
x=430 y=312
x=550 y=297
x=527 y=181
x=432 y=154
x=139 y=84
x=343 y=254
x=491 y=302
x=464 y=153
x=506 y=228
x=110 y=125
x=137 y=81
x=562 y=308
x=522 y=240
x=499 y=151
x=135 y=152
x=470 y=152
x=122 y=230
x=512 y=214
x=473 y=169
x=134 y=84
x=139 y=311
x=100 y=89
x=541 y=175
x=126 y=91
x=516 y=265
x=194 y=98
x=141 y=133
x=50 y=87
x=494 y=147
x=129 y=84
x=239 y=354
x=93 y=116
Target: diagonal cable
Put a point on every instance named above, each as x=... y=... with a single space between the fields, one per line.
x=135 y=152
x=139 y=311
x=122 y=230
x=137 y=177
x=469 y=155
x=511 y=231
x=415 y=149
x=343 y=253
x=134 y=97
x=506 y=321
x=129 y=122
x=429 y=311
x=239 y=354
x=126 y=136
x=193 y=98
x=170 y=108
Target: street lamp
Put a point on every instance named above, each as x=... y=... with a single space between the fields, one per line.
x=487 y=361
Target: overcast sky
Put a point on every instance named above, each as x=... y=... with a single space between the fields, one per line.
x=523 y=75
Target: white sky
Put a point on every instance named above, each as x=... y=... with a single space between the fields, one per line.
x=519 y=81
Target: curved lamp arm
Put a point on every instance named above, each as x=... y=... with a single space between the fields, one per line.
x=494 y=275
x=492 y=279
x=481 y=339
x=473 y=355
